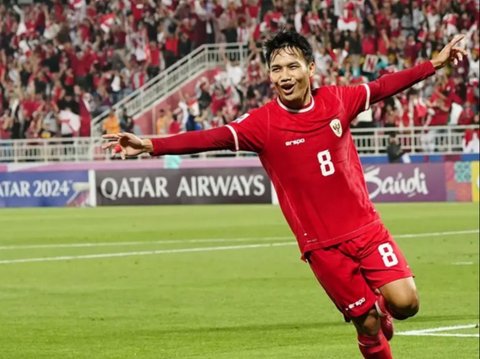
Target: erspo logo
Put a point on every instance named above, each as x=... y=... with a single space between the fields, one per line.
x=295 y=142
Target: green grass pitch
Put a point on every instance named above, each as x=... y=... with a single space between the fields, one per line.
x=216 y=282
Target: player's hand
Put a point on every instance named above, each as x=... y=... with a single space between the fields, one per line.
x=127 y=144
x=450 y=53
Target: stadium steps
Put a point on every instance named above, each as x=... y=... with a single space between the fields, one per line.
x=204 y=58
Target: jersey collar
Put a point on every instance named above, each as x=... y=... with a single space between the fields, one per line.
x=292 y=110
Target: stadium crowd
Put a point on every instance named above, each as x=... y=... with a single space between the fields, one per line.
x=63 y=62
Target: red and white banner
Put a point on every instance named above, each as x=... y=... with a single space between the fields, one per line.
x=370 y=63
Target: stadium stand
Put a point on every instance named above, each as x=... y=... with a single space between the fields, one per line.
x=65 y=64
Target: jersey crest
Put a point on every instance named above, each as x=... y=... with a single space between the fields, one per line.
x=336 y=127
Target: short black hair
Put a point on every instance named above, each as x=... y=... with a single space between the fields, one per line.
x=288 y=39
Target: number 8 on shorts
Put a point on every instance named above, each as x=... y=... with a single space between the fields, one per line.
x=388 y=256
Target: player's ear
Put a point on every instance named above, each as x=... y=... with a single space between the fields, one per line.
x=311 y=69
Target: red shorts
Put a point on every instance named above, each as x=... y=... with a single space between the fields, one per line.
x=352 y=270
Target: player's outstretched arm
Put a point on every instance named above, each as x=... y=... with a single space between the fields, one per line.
x=128 y=145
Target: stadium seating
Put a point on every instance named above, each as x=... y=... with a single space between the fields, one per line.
x=62 y=63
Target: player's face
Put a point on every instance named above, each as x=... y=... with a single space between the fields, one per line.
x=290 y=74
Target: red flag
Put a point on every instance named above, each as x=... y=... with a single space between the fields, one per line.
x=106 y=22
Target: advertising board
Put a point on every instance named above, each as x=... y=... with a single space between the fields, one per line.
x=186 y=186
x=45 y=189
x=406 y=182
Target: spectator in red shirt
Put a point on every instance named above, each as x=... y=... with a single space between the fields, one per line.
x=171 y=43
x=174 y=126
x=369 y=44
x=82 y=97
x=411 y=51
x=31 y=104
x=155 y=60
x=467 y=116
x=440 y=109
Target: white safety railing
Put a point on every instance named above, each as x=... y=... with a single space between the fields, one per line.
x=170 y=80
x=372 y=141
x=441 y=139
x=51 y=150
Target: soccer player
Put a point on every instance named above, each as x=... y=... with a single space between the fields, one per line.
x=304 y=143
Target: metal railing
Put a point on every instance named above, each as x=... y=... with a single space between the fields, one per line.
x=372 y=141
x=439 y=139
x=168 y=81
x=51 y=150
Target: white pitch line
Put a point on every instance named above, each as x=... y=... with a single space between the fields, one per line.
x=462 y=263
x=133 y=243
x=186 y=250
x=445 y=335
x=441 y=335
x=436 y=234
x=437 y=332
x=205 y=240
x=144 y=253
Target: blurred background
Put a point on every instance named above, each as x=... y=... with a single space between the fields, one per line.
x=72 y=70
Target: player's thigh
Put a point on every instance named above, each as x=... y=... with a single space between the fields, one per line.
x=383 y=262
x=342 y=279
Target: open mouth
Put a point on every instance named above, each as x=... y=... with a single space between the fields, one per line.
x=288 y=89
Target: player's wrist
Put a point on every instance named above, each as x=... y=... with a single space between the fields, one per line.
x=436 y=64
x=147 y=145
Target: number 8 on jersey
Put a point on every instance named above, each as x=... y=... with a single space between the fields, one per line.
x=326 y=164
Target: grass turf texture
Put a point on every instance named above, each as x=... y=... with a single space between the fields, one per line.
x=230 y=304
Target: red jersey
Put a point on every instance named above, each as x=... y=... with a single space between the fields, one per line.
x=313 y=164
x=309 y=155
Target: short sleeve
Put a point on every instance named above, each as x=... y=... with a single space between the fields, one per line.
x=250 y=130
x=355 y=99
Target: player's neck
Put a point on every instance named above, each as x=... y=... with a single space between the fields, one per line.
x=305 y=107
